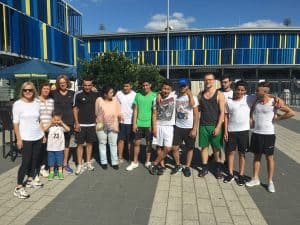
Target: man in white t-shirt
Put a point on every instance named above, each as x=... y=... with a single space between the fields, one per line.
x=226 y=87
x=126 y=98
x=163 y=121
x=236 y=129
x=263 y=137
x=187 y=120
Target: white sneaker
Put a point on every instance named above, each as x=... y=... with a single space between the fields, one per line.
x=90 y=166
x=79 y=170
x=44 y=173
x=147 y=164
x=271 y=187
x=132 y=166
x=21 y=193
x=252 y=183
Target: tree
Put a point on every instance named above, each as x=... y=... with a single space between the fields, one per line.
x=113 y=68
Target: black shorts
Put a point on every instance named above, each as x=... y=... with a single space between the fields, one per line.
x=125 y=132
x=68 y=135
x=262 y=143
x=238 y=140
x=182 y=134
x=143 y=132
x=86 y=134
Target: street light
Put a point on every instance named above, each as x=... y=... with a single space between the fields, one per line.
x=168 y=42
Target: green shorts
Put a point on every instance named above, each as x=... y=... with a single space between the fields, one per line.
x=207 y=138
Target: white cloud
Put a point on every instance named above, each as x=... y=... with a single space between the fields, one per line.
x=261 y=24
x=122 y=30
x=177 y=21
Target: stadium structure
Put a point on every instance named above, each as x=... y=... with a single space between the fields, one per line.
x=51 y=30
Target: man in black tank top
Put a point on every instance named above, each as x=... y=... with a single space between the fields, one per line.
x=211 y=106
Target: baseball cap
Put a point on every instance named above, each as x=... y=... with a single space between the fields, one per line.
x=183 y=82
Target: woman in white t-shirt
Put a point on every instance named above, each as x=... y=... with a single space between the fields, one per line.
x=26 y=122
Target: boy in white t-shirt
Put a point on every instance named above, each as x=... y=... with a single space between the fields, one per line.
x=56 y=144
x=163 y=121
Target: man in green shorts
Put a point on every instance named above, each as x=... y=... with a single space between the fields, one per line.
x=211 y=106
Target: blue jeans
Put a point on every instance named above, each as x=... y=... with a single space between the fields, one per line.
x=112 y=138
x=55 y=158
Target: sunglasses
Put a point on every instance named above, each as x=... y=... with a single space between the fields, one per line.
x=27 y=90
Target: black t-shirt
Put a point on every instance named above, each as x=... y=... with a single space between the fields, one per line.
x=64 y=105
x=85 y=102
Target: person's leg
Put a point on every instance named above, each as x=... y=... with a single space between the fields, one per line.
x=256 y=166
x=36 y=147
x=148 y=137
x=89 y=149
x=112 y=140
x=67 y=149
x=230 y=161
x=176 y=154
x=242 y=162
x=51 y=164
x=136 y=150
x=270 y=167
x=102 y=138
x=26 y=158
x=59 y=162
x=79 y=154
x=121 y=145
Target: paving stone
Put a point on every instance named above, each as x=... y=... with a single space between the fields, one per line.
x=247 y=202
x=161 y=196
x=12 y=202
x=235 y=208
x=4 y=210
x=4 y=220
x=175 y=204
x=190 y=212
x=163 y=185
x=230 y=195
x=204 y=205
x=157 y=220
x=255 y=217
x=241 y=220
x=176 y=181
x=189 y=198
x=175 y=191
x=222 y=215
x=159 y=210
x=25 y=217
x=174 y=218
x=19 y=209
x=190 y=222
x=45 y=200
x=188 y=187
x=202 y=192
x=207 y=219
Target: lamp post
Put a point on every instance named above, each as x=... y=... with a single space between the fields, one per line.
x=168 y=41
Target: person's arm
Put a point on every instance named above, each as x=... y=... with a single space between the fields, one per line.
x=193 y=132
x=16 y=123
x=154 y=126
x=191 y=98
x=288 y=113
x=226 y=127
x=65 y=126
x=134 y=118
x=18 y=136
x=221 y=103
x=75 y=114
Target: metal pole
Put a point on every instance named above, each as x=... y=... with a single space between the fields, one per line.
x=168 y=42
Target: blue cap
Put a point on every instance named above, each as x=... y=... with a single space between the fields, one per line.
x=183 y=82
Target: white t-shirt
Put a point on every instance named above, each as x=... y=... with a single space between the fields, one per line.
x=184 y=112
x=165 y=110
x=27 y=115
x=239 y=113
x=228 y=95
x=46 y=109
x=263 y=117
x=56 y=139
x=126 y=101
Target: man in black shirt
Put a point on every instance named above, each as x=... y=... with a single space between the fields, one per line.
x=85 y=119
x=63 y=103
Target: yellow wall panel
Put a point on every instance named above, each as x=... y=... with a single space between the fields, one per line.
x=44 y=29
x=267 y=56
x=27 y=7
x=67 y=18
x=74 y=51
x=4 y=27
x=49 y=12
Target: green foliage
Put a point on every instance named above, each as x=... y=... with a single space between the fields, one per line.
x=114 y=68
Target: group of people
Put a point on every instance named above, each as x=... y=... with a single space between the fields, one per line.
x=44 y=123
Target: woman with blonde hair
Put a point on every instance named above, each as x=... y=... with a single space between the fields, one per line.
x=26 y=123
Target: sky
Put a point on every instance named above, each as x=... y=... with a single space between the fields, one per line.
x=151 y=15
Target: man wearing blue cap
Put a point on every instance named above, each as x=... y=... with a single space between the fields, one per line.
x=187 y=117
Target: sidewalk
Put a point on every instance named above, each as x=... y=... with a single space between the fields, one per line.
x=135 y=198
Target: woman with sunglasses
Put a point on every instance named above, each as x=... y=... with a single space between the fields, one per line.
x=26 y=122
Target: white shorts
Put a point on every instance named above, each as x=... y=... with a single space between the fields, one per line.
x=164 y=136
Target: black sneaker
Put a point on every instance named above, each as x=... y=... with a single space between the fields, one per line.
x=161 y=171
x=203 y=173
x=228 y=179
x=153 y=169
x=115 y=167
x=104 y=166
x=176 y=169
x=240 y=180
x=187 y=171
x=219 y=174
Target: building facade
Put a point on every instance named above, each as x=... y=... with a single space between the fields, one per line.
x=43 y=29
